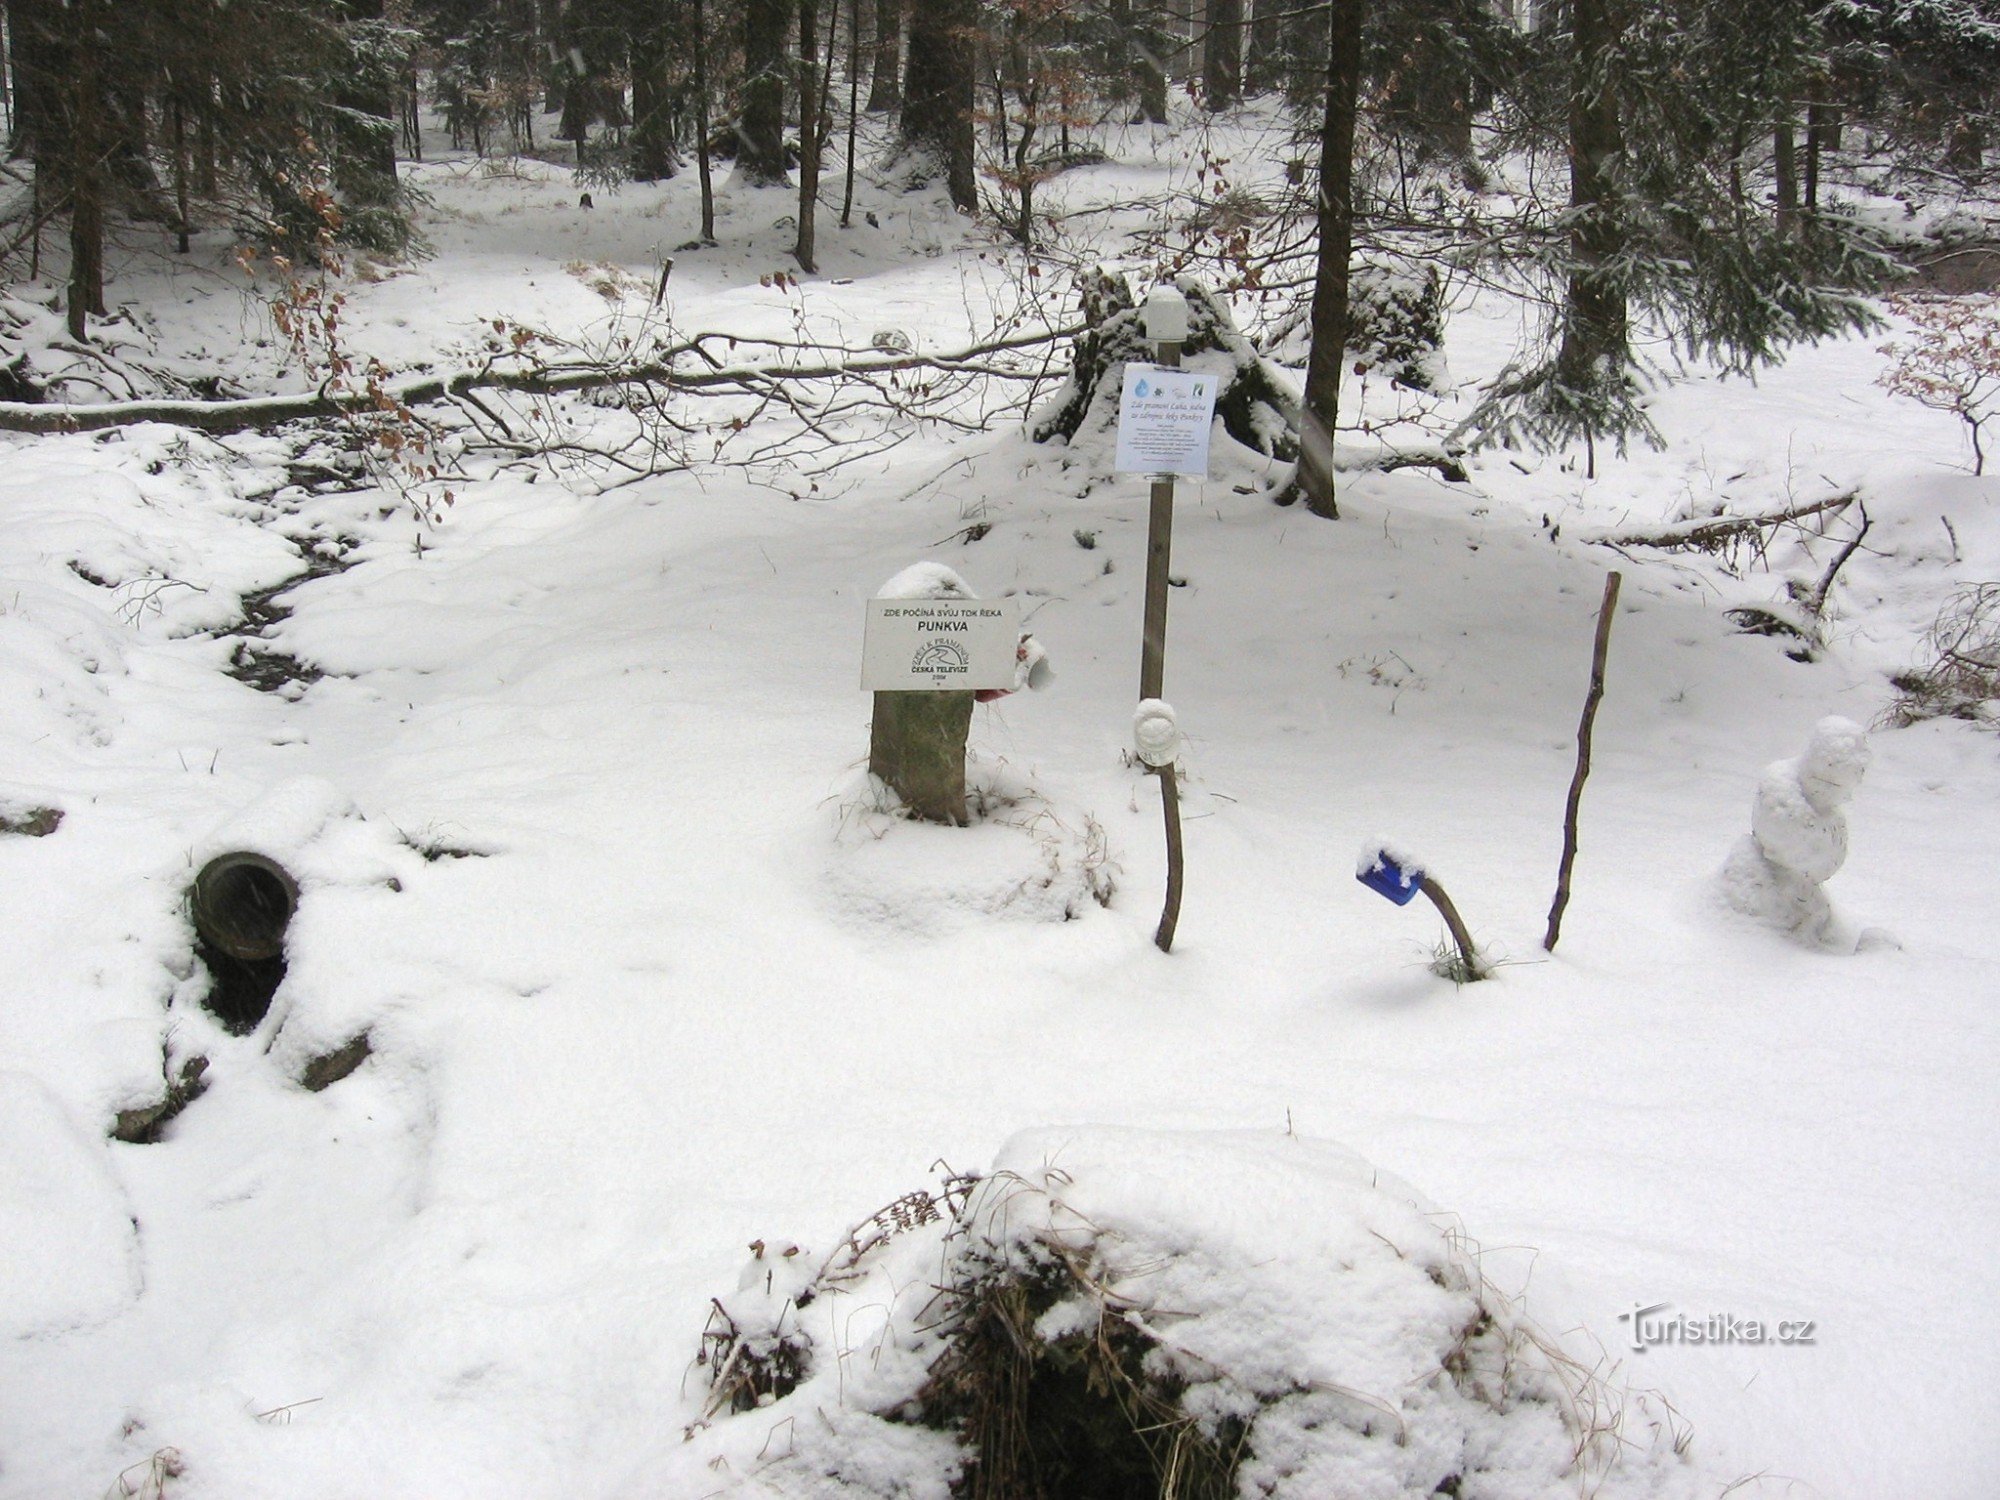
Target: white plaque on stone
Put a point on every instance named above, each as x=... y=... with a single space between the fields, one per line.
x=940 y=645
x=1164 y=418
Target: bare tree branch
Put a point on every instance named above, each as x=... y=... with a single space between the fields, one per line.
x=665 y=370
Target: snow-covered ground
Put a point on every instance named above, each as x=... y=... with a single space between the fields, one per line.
x=668 y=983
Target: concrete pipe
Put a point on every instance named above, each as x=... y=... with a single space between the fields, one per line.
x=242 y=903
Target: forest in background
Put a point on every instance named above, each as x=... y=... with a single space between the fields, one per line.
x=1644 y=172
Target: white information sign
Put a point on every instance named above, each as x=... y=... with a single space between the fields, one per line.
x=937 y=645
x=1163 y=420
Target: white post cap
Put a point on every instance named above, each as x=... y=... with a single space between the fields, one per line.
x=1156 y=735
x=1166 y=315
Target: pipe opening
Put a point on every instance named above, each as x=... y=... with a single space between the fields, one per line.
x=242 y=903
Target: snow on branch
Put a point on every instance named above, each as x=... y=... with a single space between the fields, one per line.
x=668 y=370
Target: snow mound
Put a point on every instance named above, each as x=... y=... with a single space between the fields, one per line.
x=1020 y=859
x=66 y=1235
x=1257 y=1314
x=349 y=870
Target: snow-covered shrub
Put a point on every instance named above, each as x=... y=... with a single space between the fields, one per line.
x=1116 y=1312
x=1253 y=406
x=603 y=165
x=1396 y=323
x=1951 y=362
x=1025 y=856
x=1963 y=677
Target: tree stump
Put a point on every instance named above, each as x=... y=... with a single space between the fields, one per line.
x=916 y=745
x=1253 y=406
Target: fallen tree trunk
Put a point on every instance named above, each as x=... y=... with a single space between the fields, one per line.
x=668 y=370
x=1450 y=465
x=1710 y=531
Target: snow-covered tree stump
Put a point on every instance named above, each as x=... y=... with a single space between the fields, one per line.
x=1798 y=834
x=1253 y=406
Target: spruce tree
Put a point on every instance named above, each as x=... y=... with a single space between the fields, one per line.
x=1651 y=107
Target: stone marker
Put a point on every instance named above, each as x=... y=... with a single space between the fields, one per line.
x=927 y=667
x=916 y=744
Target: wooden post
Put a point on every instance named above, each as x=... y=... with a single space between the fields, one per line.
x=1159 y=550
x=1159 y=555
x=1598 y=650
x=1455 y=924
x=1153 y=663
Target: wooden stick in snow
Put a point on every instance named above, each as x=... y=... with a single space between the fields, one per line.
x=1170 y=913
x=1468 y=956
x=1604 y=613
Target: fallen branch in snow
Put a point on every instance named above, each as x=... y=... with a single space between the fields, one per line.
x=1449 y=465
x=667 y=369
x=1802 y=610
x=1704 y=533
x=1815 y=600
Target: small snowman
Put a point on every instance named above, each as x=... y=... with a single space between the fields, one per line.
x=1798 y=835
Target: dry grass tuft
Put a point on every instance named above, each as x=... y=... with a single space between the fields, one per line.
x=1964 y=674
x=1079 y=1413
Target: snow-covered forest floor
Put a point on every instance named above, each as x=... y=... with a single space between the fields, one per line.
x=573 y=782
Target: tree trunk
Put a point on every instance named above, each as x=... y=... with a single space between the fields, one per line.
x=1222 y=55
x=1815 y=147
x=208 y=149
x=36 y=50
x=760 y=156
x=178 y=118
x=1149 y=69
x=574 y=122
x=853 y=105
x=811 y=106
x=263 y=413
x=938 y=80
x=885 y=86
x=590 y=48
x=703 y=167
x=1320 y=405
x=85 y=175
x=1785 y=168
x=916 y=745
x=1595 y=339
x=410 y=104
x=1024 y=176
x=653 y=156
x=558 y=77
x=1264 y=60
